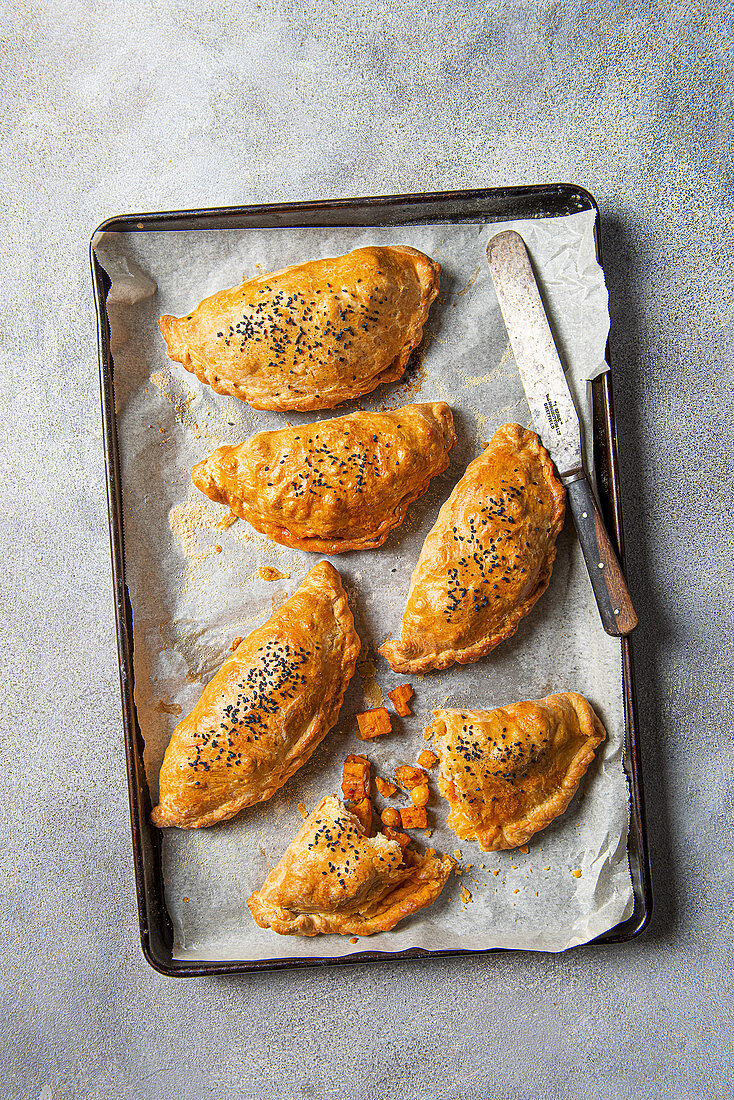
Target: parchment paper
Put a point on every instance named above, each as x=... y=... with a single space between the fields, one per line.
x=194 y=586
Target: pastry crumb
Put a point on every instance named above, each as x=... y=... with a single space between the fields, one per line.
x=457 y=853
x=226 y=521
x=524 y=849
x=235 y=642
x=184 y=899
x=465 y=895
x=187 y=521
x=302 y=810
x=576 y=873
x=270 y=573
x=354 y=940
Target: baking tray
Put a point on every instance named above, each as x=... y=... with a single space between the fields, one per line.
x=483 y=205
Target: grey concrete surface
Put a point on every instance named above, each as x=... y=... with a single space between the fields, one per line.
x=165 y=104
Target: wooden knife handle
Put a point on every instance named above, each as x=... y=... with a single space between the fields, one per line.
x=618 y=616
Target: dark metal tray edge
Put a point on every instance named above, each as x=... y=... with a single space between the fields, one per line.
x=489 y=204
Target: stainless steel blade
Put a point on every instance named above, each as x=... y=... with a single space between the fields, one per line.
x=541 y=370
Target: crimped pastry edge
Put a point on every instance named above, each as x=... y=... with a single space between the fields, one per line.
x=393 y=650
x=520 y=832
x=317 y=730
x=429 y=275
x=429 y=869
x=335 y=544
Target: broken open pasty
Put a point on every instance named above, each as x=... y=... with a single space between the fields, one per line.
x=312 y=335
x=341 y=484
x=487 y=559
x=333 y=878
x=506 y=773
x=263 y=714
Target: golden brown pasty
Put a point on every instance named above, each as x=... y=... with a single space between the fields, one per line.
x=506 y=773
x=341 y=484
x=312 y=335
x=263 y=714
x=487 y=559
x=333 y=878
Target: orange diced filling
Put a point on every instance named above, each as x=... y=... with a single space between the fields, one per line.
x=400 y=696
x=356 y=778
x=413 y=817
x=408 y=777
x=385 y=788
x=390 y=817
x=362 y=810
x=373 y=723
x=419 y=795
x=393 y=834
x=427 y=759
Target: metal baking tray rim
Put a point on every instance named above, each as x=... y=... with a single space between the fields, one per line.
x=489 y=204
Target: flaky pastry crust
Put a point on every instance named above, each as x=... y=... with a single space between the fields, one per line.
x=487 y=559
x=507 y=773
x=312 y=335
x=340 y=484
x=333 y=878
x=266 y=710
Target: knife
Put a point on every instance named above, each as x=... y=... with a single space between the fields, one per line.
x=556 y=421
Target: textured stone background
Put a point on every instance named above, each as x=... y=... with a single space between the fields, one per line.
x=167 y=104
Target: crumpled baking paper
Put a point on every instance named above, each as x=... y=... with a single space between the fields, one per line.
x=195 y=584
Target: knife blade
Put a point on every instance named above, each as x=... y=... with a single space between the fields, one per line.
x=556 y=420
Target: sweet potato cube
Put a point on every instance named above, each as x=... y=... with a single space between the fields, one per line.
x=385 y=788
x=427 y=759
x=362 y=810
x=373 y=723
x=402 y=839
x=413 y=817
x=400 y=696
x=356 y=778
x=407 y=777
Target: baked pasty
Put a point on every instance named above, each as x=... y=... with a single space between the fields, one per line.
x=263 y=714
x=341 y=484
x=506 y=773
x=333 y=878
x=487 y=558
x=312 y=335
